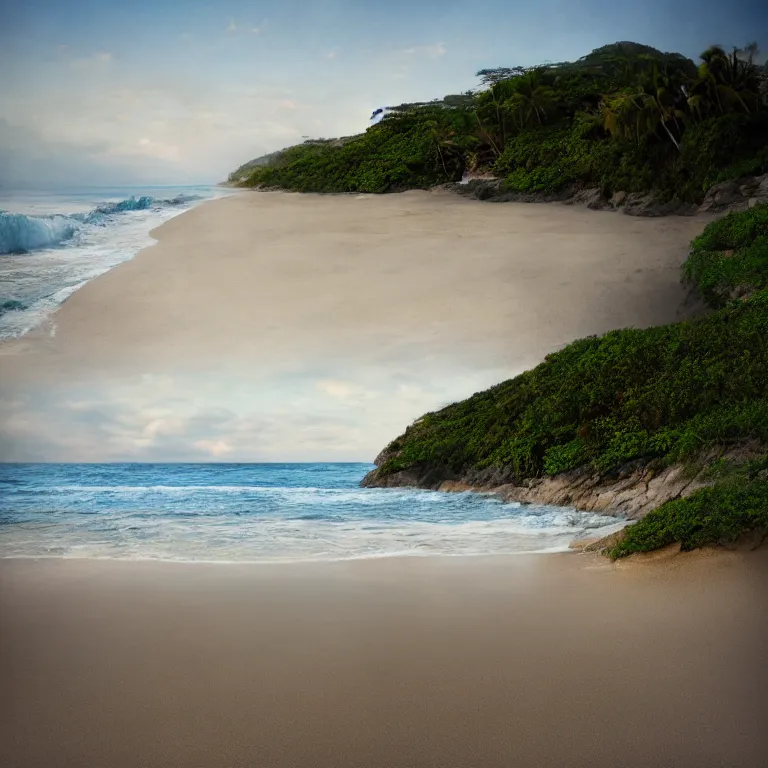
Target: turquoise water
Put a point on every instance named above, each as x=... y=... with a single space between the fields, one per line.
x=52 y=243
x=259 y=513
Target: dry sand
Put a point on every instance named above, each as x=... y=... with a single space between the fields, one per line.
x=523 y=661
x=275 y=280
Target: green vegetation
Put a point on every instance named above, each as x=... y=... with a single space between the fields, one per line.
x=730 y=258
x=718 y=515
x=627 y=117
x=660 y=396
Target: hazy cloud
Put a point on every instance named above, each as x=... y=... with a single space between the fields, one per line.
x=170 y=418
x=434 y=51
x=96 y=60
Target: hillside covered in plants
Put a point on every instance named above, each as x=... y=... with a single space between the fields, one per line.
x=626 y=117
x=660 y=396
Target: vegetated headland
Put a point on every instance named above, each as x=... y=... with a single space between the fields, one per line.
x=667 y=424
x=626 y=126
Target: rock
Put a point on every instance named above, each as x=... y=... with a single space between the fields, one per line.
x=592 y=197
x=736 y=195
x=608 y=542
x=648 y=204
x=618 y=199
x=631 y=492
x=480 y=189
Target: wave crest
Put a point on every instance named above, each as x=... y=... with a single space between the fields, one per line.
x=19 y=233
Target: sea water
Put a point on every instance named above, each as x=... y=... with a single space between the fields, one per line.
x=52 y=243
x=260 y=513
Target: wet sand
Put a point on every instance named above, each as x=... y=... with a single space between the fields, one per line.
x=518 y=661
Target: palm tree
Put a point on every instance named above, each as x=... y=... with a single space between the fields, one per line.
x=637 y=113
x=726 y=82
x=532 y=99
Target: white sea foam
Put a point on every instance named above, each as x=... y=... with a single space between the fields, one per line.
x=51 y=245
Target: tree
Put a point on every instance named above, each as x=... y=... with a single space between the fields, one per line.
x=533 y=99
x=726 y=82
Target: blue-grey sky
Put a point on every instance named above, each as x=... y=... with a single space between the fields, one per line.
x=157 y=91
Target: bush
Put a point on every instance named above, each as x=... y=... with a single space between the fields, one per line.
x=413 y=150
x=718 y=515
x=730 y=257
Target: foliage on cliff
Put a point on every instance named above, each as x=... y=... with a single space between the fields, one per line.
x=412 y=149
x=718 y=515
x=625 y=117
x=662 y=394
x=730 y=258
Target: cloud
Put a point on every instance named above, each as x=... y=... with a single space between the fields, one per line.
x=215 y=448
x=99 y=59
x=28 y=157
x=300 y=416
x=144 y=122
x=235 y=27
x=157 y=149
x=337 y=389
x=434 y=51
x=402 y=60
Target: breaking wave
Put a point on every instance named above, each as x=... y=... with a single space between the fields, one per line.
x=20 y=233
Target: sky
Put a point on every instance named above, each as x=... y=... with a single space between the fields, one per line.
x=311 y=415
x=163 y=92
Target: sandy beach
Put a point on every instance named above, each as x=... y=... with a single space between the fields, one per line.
x=413 y=300
x=520 y=661
x=276 y=278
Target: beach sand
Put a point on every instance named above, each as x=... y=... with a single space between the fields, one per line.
x=307 y=314
x=558 y=660
x=277 y=278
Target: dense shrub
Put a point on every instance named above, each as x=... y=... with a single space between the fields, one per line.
x=730 y=258
x=718 y=515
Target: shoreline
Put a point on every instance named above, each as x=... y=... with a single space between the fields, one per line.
x=464 y=192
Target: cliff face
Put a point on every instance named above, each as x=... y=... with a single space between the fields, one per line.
x=630 y=492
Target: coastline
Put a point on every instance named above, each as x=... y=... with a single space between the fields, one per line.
x=547 y=660
x=629 y=492
x=413 y=296
x=253 y=231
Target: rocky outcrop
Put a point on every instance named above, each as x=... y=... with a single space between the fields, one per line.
x=630 y=492
x=737 y=195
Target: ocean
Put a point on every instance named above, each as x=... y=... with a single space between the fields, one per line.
x=260 y=513
x=52 y=243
